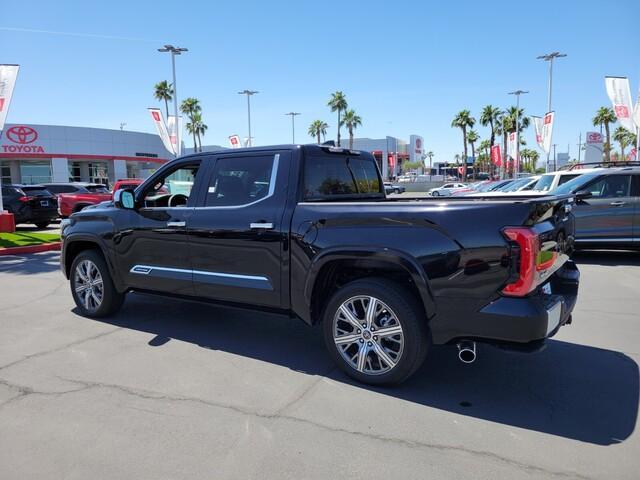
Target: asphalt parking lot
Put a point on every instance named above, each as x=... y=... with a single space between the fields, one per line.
x=169 y=389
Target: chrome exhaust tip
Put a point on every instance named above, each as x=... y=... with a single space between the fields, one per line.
x=467 y=351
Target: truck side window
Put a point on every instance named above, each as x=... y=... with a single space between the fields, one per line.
x=173 y=189
x=240 y=180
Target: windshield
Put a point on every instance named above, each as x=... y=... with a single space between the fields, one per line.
x=575 y=184
x=544 y=184
x=515 y=185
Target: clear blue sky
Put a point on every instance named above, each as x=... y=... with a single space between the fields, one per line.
x=405 y=66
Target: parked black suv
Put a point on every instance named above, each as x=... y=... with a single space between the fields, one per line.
x=308 y=231
x=30 y=204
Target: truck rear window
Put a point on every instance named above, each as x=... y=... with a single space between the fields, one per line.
x=97 y=189
x=36 y=192
x=328 y=177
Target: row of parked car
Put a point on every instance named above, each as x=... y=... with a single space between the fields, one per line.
x=606 y=208
x=43 y=203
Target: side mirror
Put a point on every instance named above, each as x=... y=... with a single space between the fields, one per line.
x=583 y=195
x=124 y=199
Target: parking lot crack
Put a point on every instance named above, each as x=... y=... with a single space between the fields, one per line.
x=148 y=395
x=59 y=348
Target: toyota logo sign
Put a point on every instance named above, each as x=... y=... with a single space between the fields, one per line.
x=22 y=134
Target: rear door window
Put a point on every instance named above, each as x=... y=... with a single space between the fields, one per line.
x=335 y=176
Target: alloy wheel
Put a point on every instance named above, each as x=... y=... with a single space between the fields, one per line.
x=88 y=285
x=368 y=335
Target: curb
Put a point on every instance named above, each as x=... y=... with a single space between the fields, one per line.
x=43 y=247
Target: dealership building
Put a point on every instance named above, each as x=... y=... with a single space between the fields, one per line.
x=52 y=153
x=391 y=153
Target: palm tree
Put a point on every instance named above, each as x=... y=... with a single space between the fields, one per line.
x=490 y=116
x=605 y=116
x=430 y=155
x=485 y=148
x=533 y=160
x=624 y=137
x=317 y=128
x=199 y=126
x=338 y=103
x=464 y=120
x=522 y=120
x=190 y=106
x=163 y=91
x=472 y=138
x=351 y=121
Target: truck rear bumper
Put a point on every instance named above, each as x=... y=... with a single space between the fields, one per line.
x=526 y=322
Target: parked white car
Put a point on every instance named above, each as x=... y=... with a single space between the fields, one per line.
x=446 y=190
x=549 y=181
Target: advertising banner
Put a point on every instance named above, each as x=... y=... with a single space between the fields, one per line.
x=496 y=157
x=234 y=141
x=416 y=148
x=161 y=128
x=538 y=123
x=8 y=75
x=512 y=145
x=620 y=95
x=173 y=135
x=547 y=131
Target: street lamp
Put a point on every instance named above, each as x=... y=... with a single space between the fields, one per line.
x=550 y=57
x=293 y=125
x=174 y=51
x=517 y=93
x=248 y=93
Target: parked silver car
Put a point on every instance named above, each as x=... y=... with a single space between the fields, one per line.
x=607 y=208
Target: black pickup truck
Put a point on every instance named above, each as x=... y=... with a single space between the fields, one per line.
x=308 y=231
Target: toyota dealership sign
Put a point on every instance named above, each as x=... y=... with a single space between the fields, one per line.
x=21 y=139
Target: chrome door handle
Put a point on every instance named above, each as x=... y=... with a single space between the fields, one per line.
x=261 y=226
x=176 y=224
x=617 y=204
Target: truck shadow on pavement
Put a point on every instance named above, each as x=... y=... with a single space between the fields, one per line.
x=29 y=264
x=569 y=390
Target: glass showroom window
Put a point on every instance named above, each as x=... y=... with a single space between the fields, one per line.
x=75 y=174
x=35 y=171
x=99 y=173
x=5 y=173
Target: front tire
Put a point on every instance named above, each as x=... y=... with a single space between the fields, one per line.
x=92 y=287
x=376 y=332
x=435 y=194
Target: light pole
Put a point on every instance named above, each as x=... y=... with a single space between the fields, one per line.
x=174 y=51
x=293 y=125
x=248 y=93
x=517 y=93
x=550 y=57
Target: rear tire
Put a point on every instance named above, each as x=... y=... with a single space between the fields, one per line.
x=42 y=224
x=384 y=347
x=92 y=287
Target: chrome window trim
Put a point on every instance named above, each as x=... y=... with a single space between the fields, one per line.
x=595 y=240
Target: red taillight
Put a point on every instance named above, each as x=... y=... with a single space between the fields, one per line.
x=24 y=199
x=529 y=245
x=532 y=261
